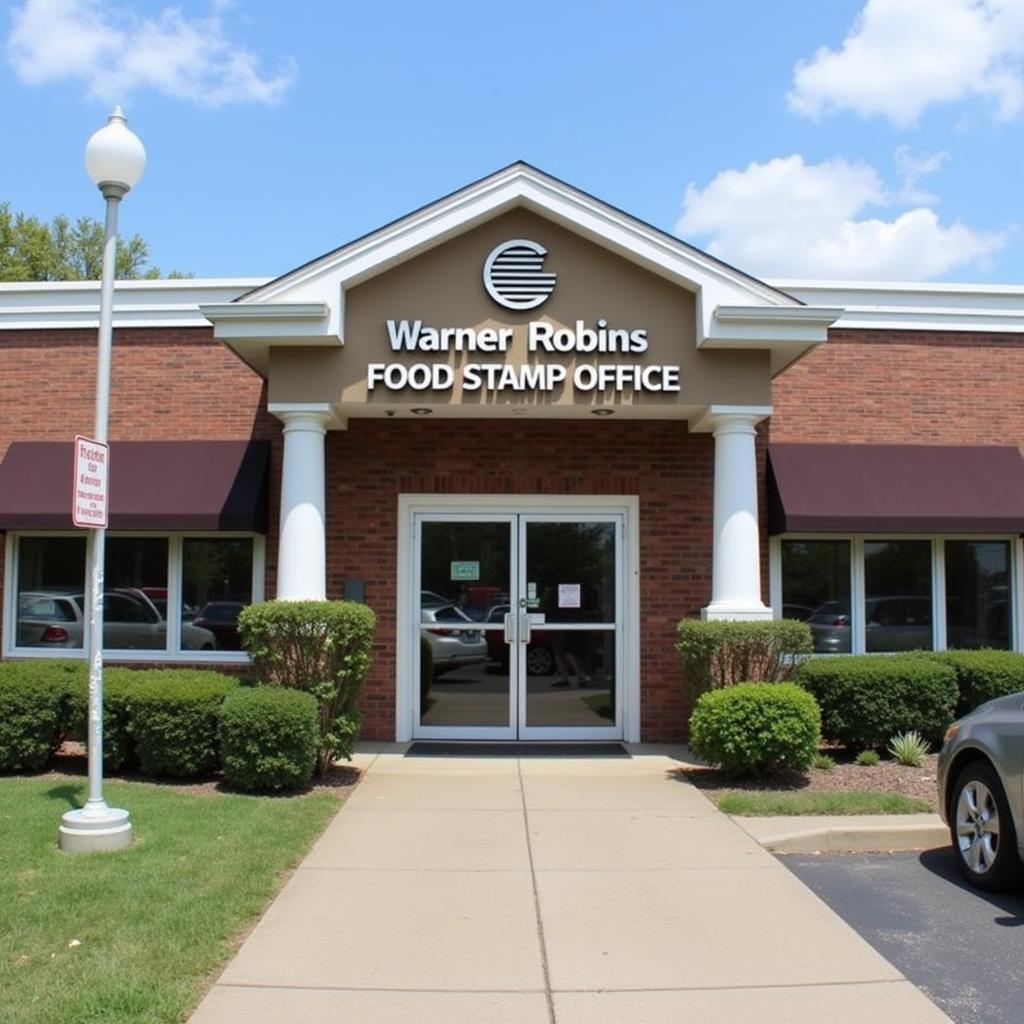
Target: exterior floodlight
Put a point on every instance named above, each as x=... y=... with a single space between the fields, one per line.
x=114 y=156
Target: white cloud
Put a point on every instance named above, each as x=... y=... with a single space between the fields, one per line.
x=788 y=218
x=902 y=56
x=912 y=168
x=114 y=51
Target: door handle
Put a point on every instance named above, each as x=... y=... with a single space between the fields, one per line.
x=524 y=627
x=510 y=628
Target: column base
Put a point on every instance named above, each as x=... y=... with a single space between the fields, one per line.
x=737 y=612
x=86 y=830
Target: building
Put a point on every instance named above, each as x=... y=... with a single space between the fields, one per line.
x=532 y=433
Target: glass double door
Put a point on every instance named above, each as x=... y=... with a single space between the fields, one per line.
x=519 y=622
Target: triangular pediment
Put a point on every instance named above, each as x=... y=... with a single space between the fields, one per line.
x=521 y=185
x=731 y=309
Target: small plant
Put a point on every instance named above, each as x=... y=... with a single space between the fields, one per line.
x=823 y=762
x=908 y=748
x=755 y=727
x=867 y=758
x=717 y=652
x=322 y=647
x=269 y=736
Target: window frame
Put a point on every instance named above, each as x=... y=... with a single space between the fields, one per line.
x=858 y=637
x=173 y=652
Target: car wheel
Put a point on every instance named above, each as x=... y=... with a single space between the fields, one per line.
x=984 y=839
x=539 y=661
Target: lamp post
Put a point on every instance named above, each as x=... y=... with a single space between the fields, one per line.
x=115 y=160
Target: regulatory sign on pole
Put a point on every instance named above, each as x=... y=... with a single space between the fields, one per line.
x=89 y=496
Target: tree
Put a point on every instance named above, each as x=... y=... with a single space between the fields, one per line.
x=32 y=250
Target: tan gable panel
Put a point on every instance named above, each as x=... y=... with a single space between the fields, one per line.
x=651 y=367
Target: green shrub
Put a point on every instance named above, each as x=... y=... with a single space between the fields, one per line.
x=33 y=699
x=118 y=746
x=718 y=652
x=823 y=762
x=173 y=720
x=983 y=675
x=322 y=647
x=866 y=698
x=269 y=738
x=752 y=727
x=909 y=748
x=868 y=758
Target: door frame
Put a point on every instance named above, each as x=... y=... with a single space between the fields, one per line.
x=407 y=628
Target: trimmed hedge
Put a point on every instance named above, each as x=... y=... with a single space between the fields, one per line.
x=322 y=647
x=983 y=675
x=33 y=697
x=866 y=699
x=719 y=652
x=174 y=720
x=755 y=727
x=269 y=738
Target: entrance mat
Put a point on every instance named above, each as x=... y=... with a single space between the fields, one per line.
x=513 y=749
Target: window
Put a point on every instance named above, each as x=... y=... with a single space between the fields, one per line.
x=898 y=595
x=816 y=590
x=165 y=597
x=978 y=593
x=886 y=595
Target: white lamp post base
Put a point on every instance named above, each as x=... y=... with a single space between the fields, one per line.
x=90 y=829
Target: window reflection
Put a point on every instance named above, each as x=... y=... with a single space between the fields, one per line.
x=898 y=601
x=51 y=583
x=135 y=579
x=977 y=594
x=216 y=586
x=816 y=590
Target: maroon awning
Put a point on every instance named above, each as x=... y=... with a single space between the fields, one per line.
x=154 y=485
x=897 y=488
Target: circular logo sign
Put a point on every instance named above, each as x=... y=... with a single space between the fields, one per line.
x=514 y=274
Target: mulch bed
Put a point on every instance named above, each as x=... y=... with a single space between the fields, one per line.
x=884 y=777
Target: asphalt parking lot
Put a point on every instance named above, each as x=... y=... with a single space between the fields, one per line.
x=962 y=947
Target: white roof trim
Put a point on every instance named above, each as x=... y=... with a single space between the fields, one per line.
x=922 y=306
x=56 y=305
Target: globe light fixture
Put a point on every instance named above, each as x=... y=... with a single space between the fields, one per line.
x=115 y=160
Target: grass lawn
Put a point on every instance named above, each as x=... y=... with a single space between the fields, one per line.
x=133 y=936
x=762 y=804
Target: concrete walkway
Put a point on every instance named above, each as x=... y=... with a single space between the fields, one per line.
x=500 y=891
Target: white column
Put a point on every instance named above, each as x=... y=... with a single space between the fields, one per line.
x=302 y=550
x=736 y=572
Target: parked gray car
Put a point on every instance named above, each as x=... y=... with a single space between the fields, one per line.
x=981 y=792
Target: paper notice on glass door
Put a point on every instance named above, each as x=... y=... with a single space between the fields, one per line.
x=568 y=595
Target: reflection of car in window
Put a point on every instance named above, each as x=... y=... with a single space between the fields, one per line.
x=898 y=623
x=130 y=622
x=451 y=646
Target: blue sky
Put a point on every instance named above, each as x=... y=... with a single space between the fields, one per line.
x=868 y=139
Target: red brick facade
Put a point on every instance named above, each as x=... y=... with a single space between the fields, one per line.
x=181 y=383
x=904 y=387
x=671 y=471
x=166 y=384
x=863 y=386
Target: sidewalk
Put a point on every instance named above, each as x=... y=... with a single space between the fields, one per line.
x=500 y=891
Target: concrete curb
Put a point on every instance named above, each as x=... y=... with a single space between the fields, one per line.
x=853 y=835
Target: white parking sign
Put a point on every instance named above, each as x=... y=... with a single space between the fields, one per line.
x=89 y=496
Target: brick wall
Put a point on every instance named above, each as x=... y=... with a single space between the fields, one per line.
x=166 y=384
x=909 y=387
x=671 y=471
